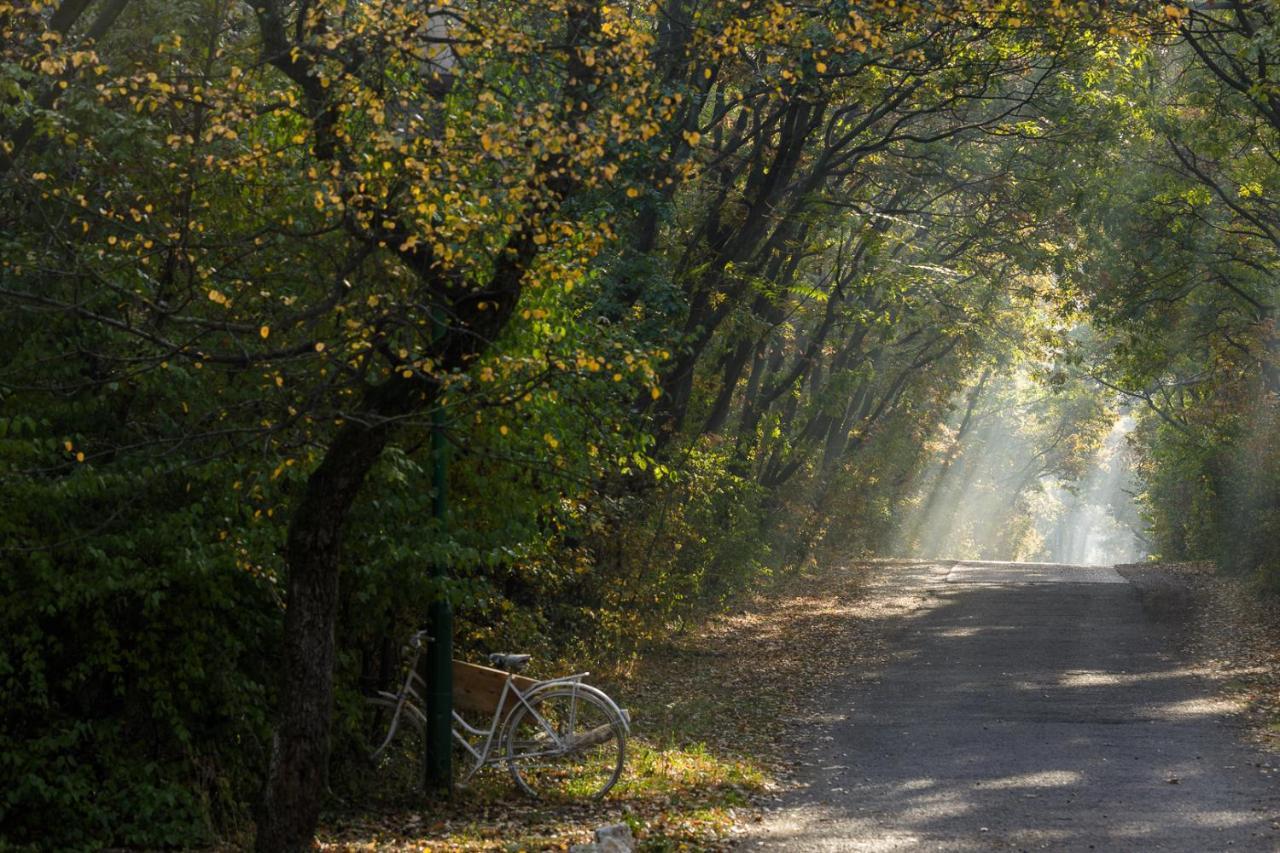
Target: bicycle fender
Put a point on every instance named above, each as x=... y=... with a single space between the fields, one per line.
x=621 y=715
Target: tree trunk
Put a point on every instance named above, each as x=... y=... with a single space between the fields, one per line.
x=734 y=364
x=300 y=749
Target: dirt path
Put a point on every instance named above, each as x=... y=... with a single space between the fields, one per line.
x=1025 y=707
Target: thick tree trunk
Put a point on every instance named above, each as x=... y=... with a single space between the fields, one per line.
x=300 y=750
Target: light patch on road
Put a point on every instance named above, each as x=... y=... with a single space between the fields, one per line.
x=1093 y=678
x=960 y=633
x=1207 y=706
x=1104 y=678
x=1042 y=779
x=1007 y=574
x=1226 y=819
x=1197 y=819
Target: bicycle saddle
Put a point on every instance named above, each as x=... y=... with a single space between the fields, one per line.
x=511 y=663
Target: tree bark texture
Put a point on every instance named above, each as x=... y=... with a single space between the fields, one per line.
x=300 y=749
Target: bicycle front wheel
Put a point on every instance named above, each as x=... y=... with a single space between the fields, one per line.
x=394 y=758
x=566 y=743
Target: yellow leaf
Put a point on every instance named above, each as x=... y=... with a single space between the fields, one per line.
x=264 y=332
x=655 y=392
x=80 y=456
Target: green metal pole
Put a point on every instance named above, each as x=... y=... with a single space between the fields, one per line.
x=439 y=771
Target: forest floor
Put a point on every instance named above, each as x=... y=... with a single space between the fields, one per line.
x=713 y=712
x=723 y=714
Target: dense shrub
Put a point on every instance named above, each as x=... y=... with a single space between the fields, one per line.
x=134 y=692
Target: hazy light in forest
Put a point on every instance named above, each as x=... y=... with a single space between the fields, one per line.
x=1089 y=530
x=989 y=494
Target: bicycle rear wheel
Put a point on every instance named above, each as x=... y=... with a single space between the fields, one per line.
x=567 y=743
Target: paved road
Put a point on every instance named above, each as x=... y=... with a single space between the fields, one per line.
x=1028 y=707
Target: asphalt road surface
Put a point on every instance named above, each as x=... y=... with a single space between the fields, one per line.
x=1027 y=707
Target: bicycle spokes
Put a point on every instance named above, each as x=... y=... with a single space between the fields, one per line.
x=565 y=743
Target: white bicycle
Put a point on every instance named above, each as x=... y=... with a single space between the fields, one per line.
x=559 y=738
